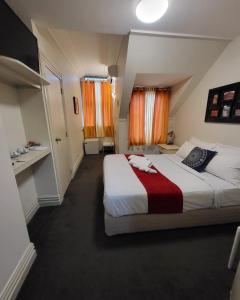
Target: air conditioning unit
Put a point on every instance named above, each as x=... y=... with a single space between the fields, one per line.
x=91 y=146
x=113 y=71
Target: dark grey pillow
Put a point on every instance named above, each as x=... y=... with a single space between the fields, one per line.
x=199 y=158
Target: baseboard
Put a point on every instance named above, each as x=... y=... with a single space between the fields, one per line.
x=76 y=164
x=18 y=276
x=31 y=212
x=50 y=200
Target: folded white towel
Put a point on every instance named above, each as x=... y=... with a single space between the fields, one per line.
x=134 y=159
x=149 y=170
x=145 y=169
x=142 y=163
x=139 y=163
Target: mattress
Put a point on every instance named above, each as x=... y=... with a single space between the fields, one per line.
x=125 y=195
x=150 y=222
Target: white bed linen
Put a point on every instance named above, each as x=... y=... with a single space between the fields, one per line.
x=124 y=194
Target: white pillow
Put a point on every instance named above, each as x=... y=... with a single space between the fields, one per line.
x=202 y=144
x=227 y=150
x=185 y=149
x=226 y=167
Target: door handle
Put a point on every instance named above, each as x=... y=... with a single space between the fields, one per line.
x=58 y=140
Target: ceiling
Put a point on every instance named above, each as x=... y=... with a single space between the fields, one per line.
x=159 y=80
x=90 y=53
x=199 y=17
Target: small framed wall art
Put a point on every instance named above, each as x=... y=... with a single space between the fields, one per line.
x=76 y=105
x=223 y=104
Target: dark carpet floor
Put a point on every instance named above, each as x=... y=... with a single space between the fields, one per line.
x=76 y=260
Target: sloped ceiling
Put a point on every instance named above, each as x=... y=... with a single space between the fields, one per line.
x=159 y=80
x=154 y=54
x=203 y=17
x=89 y=53
x=148 y=54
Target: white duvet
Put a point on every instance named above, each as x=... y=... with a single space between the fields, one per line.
x=124 y=194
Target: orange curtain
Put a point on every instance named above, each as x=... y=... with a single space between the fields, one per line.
x=89 y=109
x=160 y=117
x=137 y=118
x=107 y=109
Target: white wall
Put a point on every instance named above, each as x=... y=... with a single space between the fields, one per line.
x=90 y=53
x=13 y=231
x=154 y=54
x=71 y=88
x=28 y=193
x=11 y=117
x=123 y=135
x=121 y=62
x=75 y=54
x=10 y=109
x=189 y=119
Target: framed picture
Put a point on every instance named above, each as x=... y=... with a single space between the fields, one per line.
x=238 y=98
x=215 y=99
x=76 y=105
x=223 y=105
x=214 y=113
x=228 y=96
x=237 y=112
x=226 y=110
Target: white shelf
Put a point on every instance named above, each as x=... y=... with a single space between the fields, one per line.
x=16 y=73
x=25 y=161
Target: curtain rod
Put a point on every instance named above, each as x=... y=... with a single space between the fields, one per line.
x=94 y=79
x=150 y=88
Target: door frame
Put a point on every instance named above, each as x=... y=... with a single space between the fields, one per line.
x=45 y=63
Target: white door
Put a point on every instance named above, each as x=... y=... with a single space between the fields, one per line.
x=58 y=129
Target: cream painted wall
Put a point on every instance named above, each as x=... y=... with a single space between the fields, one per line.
x=90 y=53
x=76 y=54
x=123 y=135
x=13 y=231
x=154 y=54
x=71 y=87
x=27 y=192
x=10 y=109
x=11 y=117
x=121 y=62
x=177 y=90
x=189 y=119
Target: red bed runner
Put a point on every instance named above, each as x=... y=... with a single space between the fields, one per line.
x=164 y=196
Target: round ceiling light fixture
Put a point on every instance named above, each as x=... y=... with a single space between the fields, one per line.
x=149 y=11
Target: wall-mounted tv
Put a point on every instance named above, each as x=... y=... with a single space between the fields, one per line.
x=16 y=40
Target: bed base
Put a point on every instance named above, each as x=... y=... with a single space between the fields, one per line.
x=150 y=222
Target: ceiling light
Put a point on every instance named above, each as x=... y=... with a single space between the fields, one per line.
x=149 y=11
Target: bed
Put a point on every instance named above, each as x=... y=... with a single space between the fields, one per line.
x=207 y=199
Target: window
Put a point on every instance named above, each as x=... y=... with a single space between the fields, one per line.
x=97 y=108
x=148 y=116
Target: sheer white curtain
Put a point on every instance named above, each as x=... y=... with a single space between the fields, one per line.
x=149 y=111
x=98 y=99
